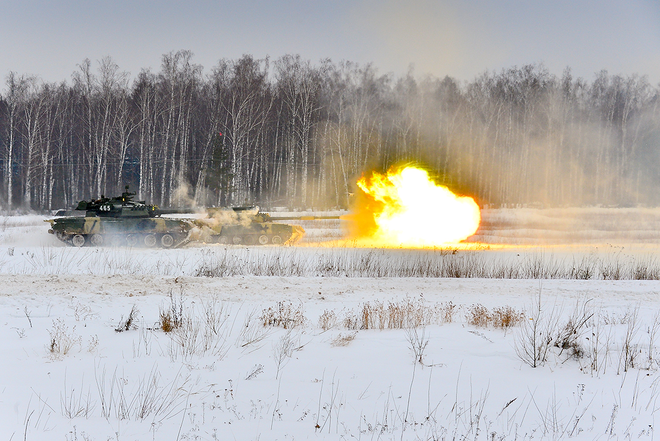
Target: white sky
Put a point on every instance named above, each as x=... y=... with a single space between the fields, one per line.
x=460 y=38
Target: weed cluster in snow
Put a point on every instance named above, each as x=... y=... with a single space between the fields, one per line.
x=230 y=261
x=351 y=262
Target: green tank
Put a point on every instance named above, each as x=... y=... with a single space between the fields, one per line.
x=120 y=221
x=246 y=226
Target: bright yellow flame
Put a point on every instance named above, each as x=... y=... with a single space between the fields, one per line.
x=410 y=210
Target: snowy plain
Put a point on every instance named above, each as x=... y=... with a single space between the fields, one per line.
x=319 y=342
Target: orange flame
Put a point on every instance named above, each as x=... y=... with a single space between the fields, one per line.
x=406 y=208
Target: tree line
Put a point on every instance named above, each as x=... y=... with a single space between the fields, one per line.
x=291 y=133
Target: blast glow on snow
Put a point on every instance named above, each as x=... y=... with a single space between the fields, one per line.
x=404 y=207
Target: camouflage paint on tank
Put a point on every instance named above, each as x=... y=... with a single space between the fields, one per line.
x=120 y=220
x=248 y=233
x=121 y=231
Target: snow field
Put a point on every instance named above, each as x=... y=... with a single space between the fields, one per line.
x=223 y=374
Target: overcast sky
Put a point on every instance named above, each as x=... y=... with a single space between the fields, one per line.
x=459 y=38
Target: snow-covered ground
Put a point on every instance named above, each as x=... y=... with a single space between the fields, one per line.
x=314 y=342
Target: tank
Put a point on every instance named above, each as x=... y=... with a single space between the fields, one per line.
x=244 y=225
x=120 y=221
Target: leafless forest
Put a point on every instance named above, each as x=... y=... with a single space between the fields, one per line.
x=289 y=132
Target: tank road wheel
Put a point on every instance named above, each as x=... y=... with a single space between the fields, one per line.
x=150 y=240
x=61 y=235
x=78 y=240
x=263 y=239
x=223 y=240
x=96 y=240
x=132 y=240
x=167 y=240
x=250 y=239
x=237 y=240
x=277 y=240
x=114 y=240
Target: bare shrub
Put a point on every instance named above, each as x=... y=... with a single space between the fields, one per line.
x=446 y=312
x=167 y=322
x=645 y=270
x=583 y=270
x=368 y=314
x=327 y=320
x=343 y=339
x=28 y=313
x=150 y=395
x=570 y=335
x=351 y=320
x=506 y=317
x=256 y=370
x=82 y=312
x=76 y=405
x=653 y=333
x=535 y=335
x=215 y=316
x=612 y=270
x=283 y=350
x=185 y=339
x=199 y=333
x=284 y=315
x=93 y=343
x=410 y=314
x=129 y=322
x=478 y=315
x=394 y=315
x=599 y=344
x=172 y=317
x=62 y=340
x=417 y=342
x=504 y=270
x=629 y=351
x=252 y=331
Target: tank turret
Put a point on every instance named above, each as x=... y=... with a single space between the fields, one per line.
x=121 y=206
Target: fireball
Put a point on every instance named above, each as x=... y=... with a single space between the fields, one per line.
x=406 y=208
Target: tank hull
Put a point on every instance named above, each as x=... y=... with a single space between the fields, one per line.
x=249 y=233
x=96 y=231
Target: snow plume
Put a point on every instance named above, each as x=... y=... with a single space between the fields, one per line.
x=219 y=218
x=228 y=216
x=181 y=196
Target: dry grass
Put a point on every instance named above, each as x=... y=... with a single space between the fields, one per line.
x=62 y=339
x=478 y=315
x=404 y=314
x=506 y=317
x=167 y=324
x=172 y=318
x=343 y=339
x=129 y=322
x=502 y=317
x=447 y=311
x=284 y=315
x=349 y=262
x=327 y=320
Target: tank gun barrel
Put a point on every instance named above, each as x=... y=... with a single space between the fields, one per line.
x=339 y=217
x=343 y=217
x=184 y=210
